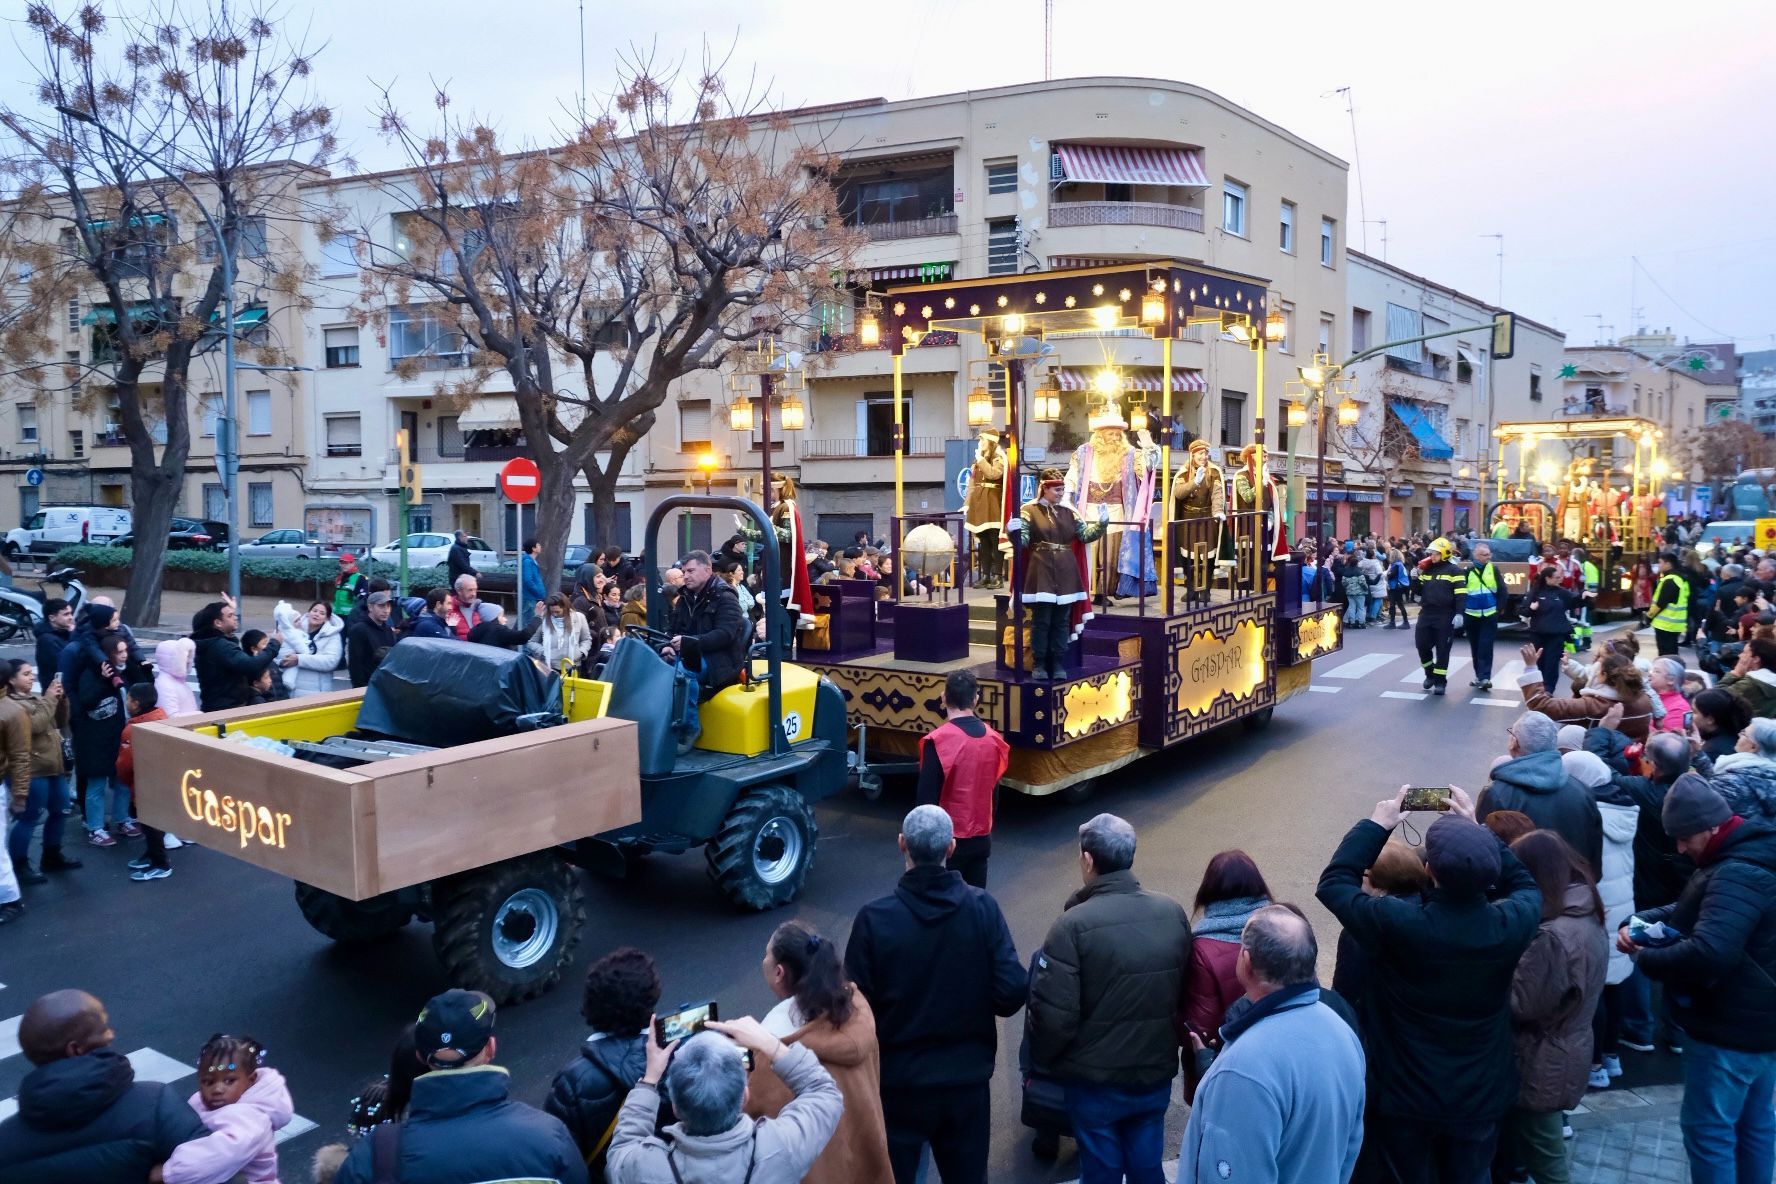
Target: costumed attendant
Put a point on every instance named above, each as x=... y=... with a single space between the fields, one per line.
x=1105 y=474
x=1199 y=494
x=986 y=482
x=786 y=517
x=1253 y=477
x=1054 y=573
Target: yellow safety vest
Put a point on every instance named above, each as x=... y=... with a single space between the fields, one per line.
x=1674 y=617
x=1482 y=591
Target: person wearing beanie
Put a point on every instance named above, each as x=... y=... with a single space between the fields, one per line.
x=1717 y=959
x=1437 y=1014
x=1571 y=738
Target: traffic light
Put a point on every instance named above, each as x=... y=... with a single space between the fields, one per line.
x=1504 y=335
x=412 y=483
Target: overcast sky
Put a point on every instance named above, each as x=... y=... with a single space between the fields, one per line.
x=1588 y=134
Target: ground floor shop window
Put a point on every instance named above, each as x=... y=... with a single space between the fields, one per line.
x=1359 y=521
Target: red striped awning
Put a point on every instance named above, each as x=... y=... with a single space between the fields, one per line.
x=1116 y=164
x=1144 y=379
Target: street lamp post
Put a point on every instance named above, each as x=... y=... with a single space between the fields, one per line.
x=227 y=451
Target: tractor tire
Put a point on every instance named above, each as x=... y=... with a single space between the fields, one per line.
x=351 y=922
x=761 y=855
x=1258 y=720
x=511 y=929
x=1079 y=792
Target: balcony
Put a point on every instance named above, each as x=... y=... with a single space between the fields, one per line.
x=1125 y=213
x=854 y=449
x=932 y=227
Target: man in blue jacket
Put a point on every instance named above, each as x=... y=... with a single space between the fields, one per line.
x=461 y=1126
x=1284 y=1099
x=531 y=590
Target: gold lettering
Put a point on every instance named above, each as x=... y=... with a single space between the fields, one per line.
x=282 y=819
x=211 y=813
x=1209 y=667
x=227 y=820
x=267 y=828
x=190 y=796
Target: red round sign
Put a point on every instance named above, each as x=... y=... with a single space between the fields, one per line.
x=520 y=480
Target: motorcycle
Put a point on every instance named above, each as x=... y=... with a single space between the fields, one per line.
x=21 y=610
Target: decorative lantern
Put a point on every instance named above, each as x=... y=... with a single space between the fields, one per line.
x=1046 y=406
x=869 y=330
x=1138 y=415
x=980 y=407
x=1297 y=415
x=740 y=415
x=1349 y=412
x=1276 y=326
x=795 y=415
x=1153 y=307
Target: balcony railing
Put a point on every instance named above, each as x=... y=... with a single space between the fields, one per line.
x=1125 y=213
x=853 y=449
x=932 y=227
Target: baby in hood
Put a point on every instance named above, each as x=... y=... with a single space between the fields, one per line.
x=172 y=666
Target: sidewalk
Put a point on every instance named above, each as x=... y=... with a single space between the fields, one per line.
x=1622 y=1135
x=177 y=609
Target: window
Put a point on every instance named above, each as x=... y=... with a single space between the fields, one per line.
x=1233 y=418
x=890 y=194
x=1464 y=369
x=1286 y=345
x=249 y=244
x=1462 y=429
x=73 y=314
x=1233 y=207
x=1324 y=344
x=73 y=357
x=1328 y=235
x=112 y=433
x=209 y=410
x=1359 y=330
x=875 y=424
x=1002 y=176
x=1594 y=399
x=1535 y=383
x=693 y=425
x=450 y=437
x=1002 y=246
x=259 y=503
x=1286 y=228
x=258 y=413
x=27 y=421
x=620 y=527
x=518 y=526
x=337 y=257
x=77 y=445
x=1403 y=322
x=345 y=435
x=342 y=347
x=1359 y=519
x=422 y=335
x=607 y=325
x=28 y=502
x=215 y=501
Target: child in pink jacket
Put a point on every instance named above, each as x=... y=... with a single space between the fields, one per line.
x=244 y=1105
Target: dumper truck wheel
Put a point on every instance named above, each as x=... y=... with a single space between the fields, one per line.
x=351 y=922
x=510 y=929
x=761 y=855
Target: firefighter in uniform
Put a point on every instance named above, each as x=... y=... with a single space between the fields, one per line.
x=1441 y=597
x=1480 y=607
x=1671 y=605
x=1054 y=579
x=1591 y=579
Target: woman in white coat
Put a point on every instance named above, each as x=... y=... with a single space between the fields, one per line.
x=562 y=637
x=317 y=638
x=1615 y=884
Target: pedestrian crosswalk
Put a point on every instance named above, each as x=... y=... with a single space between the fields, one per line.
x=1387 y=675
x=149 y=1064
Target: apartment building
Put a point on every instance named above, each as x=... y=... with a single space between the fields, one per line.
x=1757 y=390
x=75 y=438
x=1420 y=456
x=1662 y=386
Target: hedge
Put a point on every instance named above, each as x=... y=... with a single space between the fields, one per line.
x=109 y=565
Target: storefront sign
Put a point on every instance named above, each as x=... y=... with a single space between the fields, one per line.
x=1359 y=495
x=1210 y=666
x=1405 y=490
x=1444 y=493
x=1467 y=495
x=226 y=814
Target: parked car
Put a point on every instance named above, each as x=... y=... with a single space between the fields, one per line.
x=1726 y=535
x=576 y=554
x=432 y=550
x=284 y=544
x=187 y=534
x=54 y=527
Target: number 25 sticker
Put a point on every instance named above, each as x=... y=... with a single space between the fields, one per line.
x=792 y=725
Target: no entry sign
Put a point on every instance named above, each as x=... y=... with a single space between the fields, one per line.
x=520 y=480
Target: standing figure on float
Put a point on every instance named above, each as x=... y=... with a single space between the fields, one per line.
x=1108 y=473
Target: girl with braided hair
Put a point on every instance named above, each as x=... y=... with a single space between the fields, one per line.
x=244 y=1104
x=822 y=1011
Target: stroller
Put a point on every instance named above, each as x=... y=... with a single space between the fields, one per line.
x=1045 y=1108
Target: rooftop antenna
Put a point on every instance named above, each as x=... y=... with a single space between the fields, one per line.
x=1598 y=317
x=1501 y=242
x=1356 y=159
x=1048 y=40
x=582 y=63
x=1383 y=223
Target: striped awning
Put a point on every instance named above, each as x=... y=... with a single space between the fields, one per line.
x=1116 y=164
x=1076 y=262
x=929 y=273
x=1145 y=379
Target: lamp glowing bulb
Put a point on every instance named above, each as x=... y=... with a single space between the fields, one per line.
x=1107 y=382
x=1104 y=316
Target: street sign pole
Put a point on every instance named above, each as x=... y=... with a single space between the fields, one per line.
x=520 y=481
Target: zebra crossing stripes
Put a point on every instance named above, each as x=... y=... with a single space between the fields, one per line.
x=1385 y=667
x=1416 y=674
x=1360 y=666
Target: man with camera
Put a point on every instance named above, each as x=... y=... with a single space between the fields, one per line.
x=1437 y=1017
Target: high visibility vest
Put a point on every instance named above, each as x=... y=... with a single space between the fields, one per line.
x=1674 y=617
x=1482 y=591
x=1592 y=579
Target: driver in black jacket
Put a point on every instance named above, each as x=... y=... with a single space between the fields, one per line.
x=708 y=639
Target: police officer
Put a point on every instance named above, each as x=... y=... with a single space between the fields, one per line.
x=1671 y=605
x=1481 y=591
x=1441 y=596
x=1591 y=580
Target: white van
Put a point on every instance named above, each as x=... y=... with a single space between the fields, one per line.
x=51 y=529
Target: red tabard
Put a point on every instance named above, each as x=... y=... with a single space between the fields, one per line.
x=972 y=768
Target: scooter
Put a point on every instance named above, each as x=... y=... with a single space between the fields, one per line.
x=22 y=610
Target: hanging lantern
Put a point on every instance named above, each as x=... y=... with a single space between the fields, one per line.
x=1349 y=412
x=1297 y=415
x=1046 y=406
x=795 y=415
x=1153 y=308
x=869 y=330
x=980 y=407
x=1276 y=325
x=740 y=415
x=1138 y=416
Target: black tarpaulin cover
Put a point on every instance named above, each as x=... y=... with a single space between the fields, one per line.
x=432 y=691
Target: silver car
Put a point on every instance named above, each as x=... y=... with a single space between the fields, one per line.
x=282 y=544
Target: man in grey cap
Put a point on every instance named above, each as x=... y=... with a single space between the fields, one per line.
x=370 y=638
x=1715 y=951
x=1437 y=1016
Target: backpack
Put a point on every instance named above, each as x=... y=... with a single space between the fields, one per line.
x=1397 y=577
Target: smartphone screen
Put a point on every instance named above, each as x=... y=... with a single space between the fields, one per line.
x=686 y=1021
x=1428 y=797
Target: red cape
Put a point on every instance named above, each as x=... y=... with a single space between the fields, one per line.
x=800 y=604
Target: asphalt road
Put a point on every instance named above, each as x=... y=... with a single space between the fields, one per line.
x=220 y=946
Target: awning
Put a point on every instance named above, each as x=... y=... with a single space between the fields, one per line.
x=1146 y=380
x=244 y=317
x=1468 y=354
x=1431 y=445
x=104 y=314
x=105 y=224
x=925 y=273
x=496 y=414
x=1077 y=262
x=1118 y=165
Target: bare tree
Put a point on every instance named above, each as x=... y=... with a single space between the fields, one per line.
x=1379 y=443
x=141 y=128
x=1721 y=450
x=679 y=223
